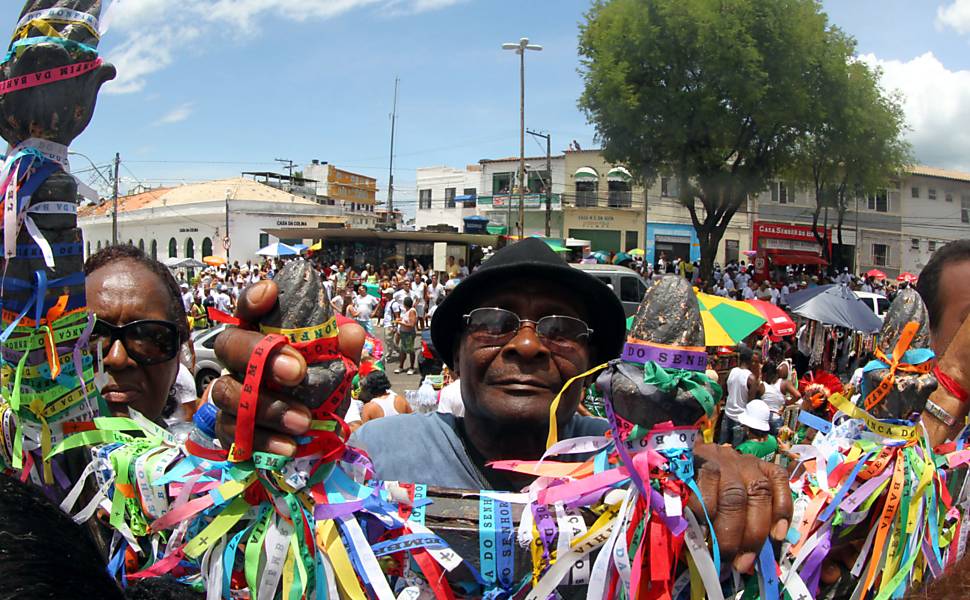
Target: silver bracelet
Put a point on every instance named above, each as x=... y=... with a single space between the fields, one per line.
x=940 y=413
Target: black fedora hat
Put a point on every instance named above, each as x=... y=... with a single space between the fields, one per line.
x=534 y=259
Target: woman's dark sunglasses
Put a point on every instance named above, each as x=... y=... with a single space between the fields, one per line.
x=147 y=342
x=497 y=326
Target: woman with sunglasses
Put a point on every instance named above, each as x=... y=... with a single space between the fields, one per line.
x=140 y=329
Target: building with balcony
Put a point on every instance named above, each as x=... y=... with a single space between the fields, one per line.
x=353 y=193
x=499 y=198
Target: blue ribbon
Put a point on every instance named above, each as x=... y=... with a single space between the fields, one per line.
x=815 y=422
x=769 y=572
x=32 y=41
x=844 y=488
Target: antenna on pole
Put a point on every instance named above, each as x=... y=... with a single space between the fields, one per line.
x=390 y=173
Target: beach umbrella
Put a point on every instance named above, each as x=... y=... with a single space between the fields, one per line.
x=778 y=321
x=727 y=322
x=172 y=262
x=214 y=261
x=875 y=274
x=601 y=257
x=316 y=247
x=636 y=252
x=621 y=257
x=907 y=277
x=301 y=248
x=834 y=305
x=277 y=249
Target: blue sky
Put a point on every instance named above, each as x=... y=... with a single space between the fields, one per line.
x=209 y=88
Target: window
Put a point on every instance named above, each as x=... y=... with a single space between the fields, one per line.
x=586 y=193
x=915 y=192
x=154 y=250
x=537 y=181
x=99 y=245
x=189 y=248
x=880 y=255
x=424 y=199
x=931 y=194
x=731 y=250
x=669 y=187
x=631 y=240
x=878 y=202
x=501 y=183
x=449 y=197
x=965 y=209
x=207 y=247
x=263 y=240
x=949 y=197
x=632 y=289
x=470 y=192
x=914 y=244
x=781 y=193
x=931 y=245
x=173 y=248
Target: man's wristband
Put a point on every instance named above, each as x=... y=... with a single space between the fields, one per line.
x=940 y=413
x=951 y=385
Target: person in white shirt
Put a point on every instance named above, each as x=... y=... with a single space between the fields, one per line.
x=222 y=299
x=742 y=385
x=748 y=292
x=436 y=290
x=418 y=290
x=785 y=291
x=449 y=401
x=775 y=295
x=728 y=282
x=363 y=308
x=187 y=297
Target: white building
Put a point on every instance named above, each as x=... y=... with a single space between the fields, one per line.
x=499 y=198
x=189 y=221
x=447 y=195
x=935 y=210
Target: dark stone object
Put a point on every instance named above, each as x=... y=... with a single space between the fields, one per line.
x=303 y=302
x=910 y=390
x=668 y=315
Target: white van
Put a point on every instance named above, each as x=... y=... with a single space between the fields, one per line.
x=626 y=283
x=877 y=303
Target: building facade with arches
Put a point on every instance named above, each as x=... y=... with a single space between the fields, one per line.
x=189 y=221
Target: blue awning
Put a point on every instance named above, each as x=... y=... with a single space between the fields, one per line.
x=466 y=198
x=476 y=218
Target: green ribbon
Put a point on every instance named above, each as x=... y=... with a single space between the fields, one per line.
x=695 y=382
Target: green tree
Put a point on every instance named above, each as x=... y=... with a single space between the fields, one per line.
x=856 y=146
x=711 y=91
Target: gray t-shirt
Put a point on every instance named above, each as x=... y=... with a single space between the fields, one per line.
x=440 y=458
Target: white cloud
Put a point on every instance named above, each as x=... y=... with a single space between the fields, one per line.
x=152 y=32
x=177 y=114
x=937 y=106
x=956 y=16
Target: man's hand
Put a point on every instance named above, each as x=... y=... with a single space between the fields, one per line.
x=279 y=417
x=747 y=498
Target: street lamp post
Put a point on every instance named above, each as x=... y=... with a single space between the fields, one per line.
x=520 y=48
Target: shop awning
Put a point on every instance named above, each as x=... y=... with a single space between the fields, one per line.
x=586 y=174
x=496 y=229
x=619 y=174
x=466 y=198
x=790 y=258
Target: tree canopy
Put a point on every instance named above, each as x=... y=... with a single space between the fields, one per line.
x=719 y=94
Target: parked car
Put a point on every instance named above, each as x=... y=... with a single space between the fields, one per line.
x=207 y=366
x=878 y=303
x=626 y=283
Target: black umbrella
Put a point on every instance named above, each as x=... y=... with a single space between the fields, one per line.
x=835 y=305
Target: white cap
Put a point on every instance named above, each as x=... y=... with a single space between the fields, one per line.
x=756 y=415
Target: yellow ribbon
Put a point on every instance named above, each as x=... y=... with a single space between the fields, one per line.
x=553 y=423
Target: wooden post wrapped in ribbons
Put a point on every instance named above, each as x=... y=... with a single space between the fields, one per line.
x=660 y=375
x=49 y=82
x=898 y=382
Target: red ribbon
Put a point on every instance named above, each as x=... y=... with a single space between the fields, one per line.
x=950 y=385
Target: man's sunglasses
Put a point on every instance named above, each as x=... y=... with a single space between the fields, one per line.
x=148 y=342
x=497 y=326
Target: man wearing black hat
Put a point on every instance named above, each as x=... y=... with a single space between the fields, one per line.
x=515 y=332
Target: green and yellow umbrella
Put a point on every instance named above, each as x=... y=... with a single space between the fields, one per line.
x=727 y=322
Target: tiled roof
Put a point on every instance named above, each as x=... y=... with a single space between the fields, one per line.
x=208 y=191
x=941 y=173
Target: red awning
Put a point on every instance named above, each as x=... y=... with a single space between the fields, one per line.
x=795 y=258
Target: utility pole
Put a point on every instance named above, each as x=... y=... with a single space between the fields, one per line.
x=520 y=49
x=390 y=168
x=857 y=254
x=548 y=183
x=227 y=241
x=114 y=195
x=289 y=168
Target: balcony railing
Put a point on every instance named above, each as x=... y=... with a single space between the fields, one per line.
x=620 y=199
x=586 y=199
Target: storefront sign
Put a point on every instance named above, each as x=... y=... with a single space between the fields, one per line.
x=289 y=223
x=782 y=236
x=188 y=229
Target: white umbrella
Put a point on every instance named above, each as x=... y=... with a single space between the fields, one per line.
x=278 y=249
